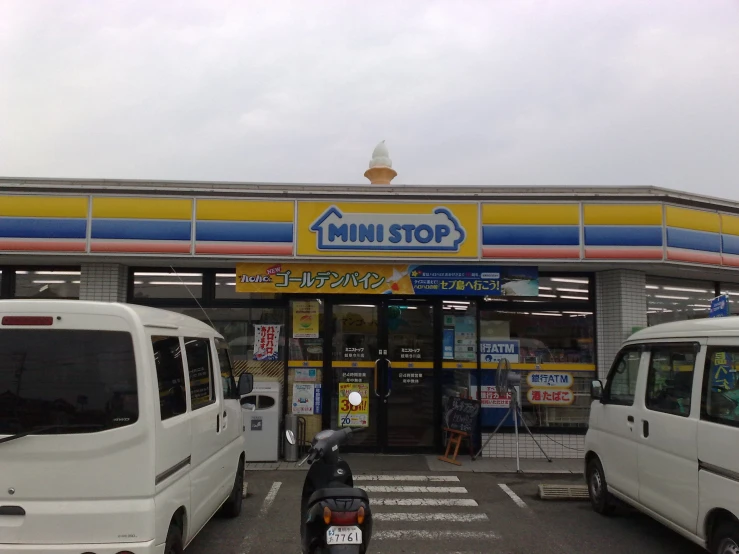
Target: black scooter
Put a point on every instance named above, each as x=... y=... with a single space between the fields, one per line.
x=335 y=516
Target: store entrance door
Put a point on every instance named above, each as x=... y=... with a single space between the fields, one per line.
x=386 y=351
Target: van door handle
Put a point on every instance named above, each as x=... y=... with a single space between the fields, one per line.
x=218 y=423
x=630 y=419
x=646 y=429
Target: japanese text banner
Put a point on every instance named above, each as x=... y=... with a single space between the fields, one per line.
x=386 y=279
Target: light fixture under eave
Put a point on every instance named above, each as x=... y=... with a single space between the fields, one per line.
x=545 y=313
x=163 y=283
x=145 y=274
x=681 y=289
x=575 y=297
x=563 y=280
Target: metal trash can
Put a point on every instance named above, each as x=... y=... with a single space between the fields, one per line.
x=291 y=450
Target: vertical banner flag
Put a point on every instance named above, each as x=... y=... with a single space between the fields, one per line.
x=266 y=343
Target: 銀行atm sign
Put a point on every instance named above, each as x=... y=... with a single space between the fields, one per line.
x=388 y=229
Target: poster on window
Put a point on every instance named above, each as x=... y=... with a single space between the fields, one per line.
x=266 y=343
x=305 y=320
x=303 y=398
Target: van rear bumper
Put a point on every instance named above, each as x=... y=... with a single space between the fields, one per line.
x=135 y=547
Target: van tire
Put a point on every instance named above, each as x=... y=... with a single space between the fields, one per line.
x=725 y=539
x=232 y=506
x=600 y=498
x=174 y=540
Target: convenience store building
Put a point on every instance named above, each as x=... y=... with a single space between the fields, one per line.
x=410 y=293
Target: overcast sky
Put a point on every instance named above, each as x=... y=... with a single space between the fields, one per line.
x=514 y=92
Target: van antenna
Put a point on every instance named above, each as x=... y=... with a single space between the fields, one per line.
x=193 y=296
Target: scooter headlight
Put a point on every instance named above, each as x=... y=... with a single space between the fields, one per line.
x=326 y=515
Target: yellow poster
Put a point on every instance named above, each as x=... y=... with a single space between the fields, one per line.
x=353 y=416
x=323 y=278
x=305 y=320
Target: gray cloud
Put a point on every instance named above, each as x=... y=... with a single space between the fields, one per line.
x=481 y=93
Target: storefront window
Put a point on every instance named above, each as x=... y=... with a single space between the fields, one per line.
x=226 y=289
x=677 y=299
x=549 y=349
x=255 y=337
x=305 y=365
x=167 y=284
x=460 y=368
x=47 y=283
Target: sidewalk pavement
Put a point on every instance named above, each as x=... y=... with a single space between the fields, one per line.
x=365 y=463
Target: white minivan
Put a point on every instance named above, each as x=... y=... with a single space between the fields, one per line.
x=664 y=430
x=120 y=428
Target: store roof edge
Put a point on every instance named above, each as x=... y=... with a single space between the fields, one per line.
x=349 y=191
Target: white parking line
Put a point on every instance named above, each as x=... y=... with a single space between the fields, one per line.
x=417 y=534
x=409 y=489
x=270 y=498
x=428 y=478
x=520 y=503
x=406 y=516
x=423 y=502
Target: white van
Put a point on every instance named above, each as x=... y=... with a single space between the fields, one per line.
x=120 y=428
x=664 y=430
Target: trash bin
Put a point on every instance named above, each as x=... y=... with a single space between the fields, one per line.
x=262 y=412
x=291 y=450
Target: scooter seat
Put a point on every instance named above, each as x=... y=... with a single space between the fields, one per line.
x=341 y=492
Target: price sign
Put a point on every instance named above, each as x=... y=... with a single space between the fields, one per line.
x=353 y=416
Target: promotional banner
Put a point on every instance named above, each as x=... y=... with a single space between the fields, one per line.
x=353 y=416
x=305 y=320
x=266 y=342
x=338 y=278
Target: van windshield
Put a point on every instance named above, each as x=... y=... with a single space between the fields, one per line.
x=68 y=381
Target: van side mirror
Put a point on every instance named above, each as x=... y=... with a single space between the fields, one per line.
x=246 y=383
x=596 y=390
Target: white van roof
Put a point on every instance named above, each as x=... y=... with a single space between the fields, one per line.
x=144 y=314
x=706 y=327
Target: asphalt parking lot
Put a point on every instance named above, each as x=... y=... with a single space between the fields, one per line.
x=444 y=513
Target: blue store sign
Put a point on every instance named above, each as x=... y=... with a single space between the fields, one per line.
x=719 y=306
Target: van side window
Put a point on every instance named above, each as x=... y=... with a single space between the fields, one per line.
x=621 y=385
x=670 y=378
x=720 y=401
x=170 y=376
x=200 y=371
x=227 y=376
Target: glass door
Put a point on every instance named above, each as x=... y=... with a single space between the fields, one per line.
x=410 y=401
x=386 y=351
x=355 y=352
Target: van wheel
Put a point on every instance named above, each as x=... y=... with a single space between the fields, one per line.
x=232 y=506
x=600 y=498
x=174 y=540
x=726 y=539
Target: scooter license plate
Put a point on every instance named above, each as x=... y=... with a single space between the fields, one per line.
x=343 y=535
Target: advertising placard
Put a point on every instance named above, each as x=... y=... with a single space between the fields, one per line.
x=499 y=349
x=550 y=397
x=305 y=319
x=305 y=374
x=353 y=416
x=303 y=398
x=550 y=380
x=339 y=278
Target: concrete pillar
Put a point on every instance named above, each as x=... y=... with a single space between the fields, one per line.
x=104 y=282
x=621 y=305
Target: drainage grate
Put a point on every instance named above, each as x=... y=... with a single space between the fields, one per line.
x=563 y=492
